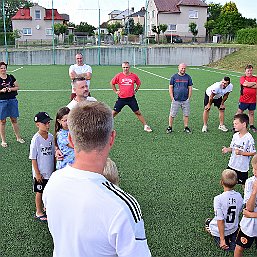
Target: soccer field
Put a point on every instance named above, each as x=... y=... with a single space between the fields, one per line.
x=173 y=176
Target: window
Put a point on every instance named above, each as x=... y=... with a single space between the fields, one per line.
x=193 y=14
x=153 y=14
x=49 y=32
x=26 y=31
x=37 y=15
x=172 y=27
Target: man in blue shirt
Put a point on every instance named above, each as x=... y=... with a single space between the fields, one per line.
x=180 y=90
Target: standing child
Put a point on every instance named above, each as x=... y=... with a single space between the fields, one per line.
x=241 y=147
x=61 y=138
x=248 y=225
x=42 y=157
x=227 y=207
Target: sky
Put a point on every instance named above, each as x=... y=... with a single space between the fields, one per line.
x=87 y=10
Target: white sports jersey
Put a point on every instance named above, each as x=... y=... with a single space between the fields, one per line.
x=73 y=102
x=91 y=217
x=227 y=207
x=245 y=144
x=42 y=150
x=79 y=70
x=218 y=90
x=249 y=225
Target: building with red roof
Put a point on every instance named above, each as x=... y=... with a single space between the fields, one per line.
x=35 y=23
x=177 y=14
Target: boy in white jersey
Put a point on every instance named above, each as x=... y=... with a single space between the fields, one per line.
x=42 y=157
x=242 y=147
x=248 y=225
x=227 y=207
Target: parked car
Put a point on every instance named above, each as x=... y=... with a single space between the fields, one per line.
x=175 y=38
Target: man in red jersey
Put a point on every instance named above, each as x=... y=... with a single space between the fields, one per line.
x=126 y=93
x=247 y=98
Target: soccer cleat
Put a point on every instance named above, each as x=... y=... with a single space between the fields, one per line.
x=207 y=225
x=223 y=128
x=169 y=130
x=253 y=129
x=204 y=129
x=187 y=130
x=147 y=128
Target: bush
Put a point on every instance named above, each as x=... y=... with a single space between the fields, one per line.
x=247 y=36
x=9 y=38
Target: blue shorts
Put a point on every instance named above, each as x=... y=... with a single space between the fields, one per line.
x=9 y=108
x=130 y=101
x=244 y=106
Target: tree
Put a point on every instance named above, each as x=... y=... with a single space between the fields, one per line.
x=158 y=29
x=16 y=34
x=138 y=30
x=193 y=29
x=85 y=27
x=10 y=9
x=114 y=27
x=132 y=28
x=60 y=29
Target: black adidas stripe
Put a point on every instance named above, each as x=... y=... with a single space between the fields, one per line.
x=128 y=199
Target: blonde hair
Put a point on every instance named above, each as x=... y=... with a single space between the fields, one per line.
x=254 y=160
x=111 y=172
x=229 y=178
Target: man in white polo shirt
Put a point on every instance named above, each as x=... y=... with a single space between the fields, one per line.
x=78 y=70
x=216 y=94
x=88 y=215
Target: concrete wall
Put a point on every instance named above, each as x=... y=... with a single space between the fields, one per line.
x=195 y=56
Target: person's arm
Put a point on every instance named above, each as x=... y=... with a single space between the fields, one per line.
x=208 y=106
x=249 y=214
x=226 y=149
x=224 y=99
x=221 y=228
x=238 y=152
x=250 y=204
x=86 y=75
x=14 y=88
x=116 y=91
x=171 y=92
x=249 y=84
x=38 y=177
x=190 y=91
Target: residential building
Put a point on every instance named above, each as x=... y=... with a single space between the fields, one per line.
x=177 y=14
x=35 y=23
x=119 y=16
x=139 y=17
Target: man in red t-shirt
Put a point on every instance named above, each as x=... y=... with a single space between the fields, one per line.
x=126 y=93
x=247 y=98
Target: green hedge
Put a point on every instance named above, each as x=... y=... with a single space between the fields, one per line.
x=247 y=36
x=9 y=38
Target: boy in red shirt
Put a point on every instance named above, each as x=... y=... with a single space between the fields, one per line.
x=247 y=98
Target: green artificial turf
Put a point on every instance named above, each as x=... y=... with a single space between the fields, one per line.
x=173 y=176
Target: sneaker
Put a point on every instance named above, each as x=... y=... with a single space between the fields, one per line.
x=253 y=129
x=207 y=225
x=204 y=129
x=223 y=128
x=169 y=130
x=187 y=130
x=147 y=128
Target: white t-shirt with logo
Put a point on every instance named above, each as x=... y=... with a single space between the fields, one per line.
x=42 y=150
x=91 y=217
x=244 y=144
x=73 y=102
x=249 y=225
x=227 y=207
x=217 y=89
x=79 y=70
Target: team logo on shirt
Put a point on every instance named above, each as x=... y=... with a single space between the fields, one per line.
x=244 y=240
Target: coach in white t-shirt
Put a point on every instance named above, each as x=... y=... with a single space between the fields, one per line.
x=88 y=216
x=216 y=94
x=78 y=70
x=81 y=92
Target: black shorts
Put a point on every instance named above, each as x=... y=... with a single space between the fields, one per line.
x=39 y=187
x=241 y=176
x=245 y=241
x=130 y=101
x=216 y=102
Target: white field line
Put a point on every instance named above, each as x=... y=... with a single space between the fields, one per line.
x=157 y=75
x=16 y=69
x=219 y=71
x=97 y=89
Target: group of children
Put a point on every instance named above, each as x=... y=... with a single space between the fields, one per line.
x=228 y=205
x=42 y=155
